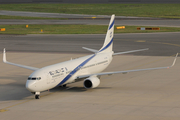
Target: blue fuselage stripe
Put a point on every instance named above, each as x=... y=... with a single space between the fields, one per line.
x=82 y=64
x=107 y=45
x=75 y=70
x=87 y=60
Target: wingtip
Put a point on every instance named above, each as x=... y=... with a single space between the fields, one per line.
x=174 y=60
x=177 y=55
x=145 y=49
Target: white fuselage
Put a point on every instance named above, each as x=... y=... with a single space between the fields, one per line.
x=66 y=72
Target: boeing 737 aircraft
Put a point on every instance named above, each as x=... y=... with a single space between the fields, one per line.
x=88 y=68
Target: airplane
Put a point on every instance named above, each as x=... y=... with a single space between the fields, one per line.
x=88 y=68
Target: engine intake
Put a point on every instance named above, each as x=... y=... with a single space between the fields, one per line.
x=91 y=82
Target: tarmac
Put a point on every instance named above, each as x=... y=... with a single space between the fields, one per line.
x=147 y=95
x=159 y=44
x=143 y=95
x=63 y=15
x=156 y=23
x=87 y=19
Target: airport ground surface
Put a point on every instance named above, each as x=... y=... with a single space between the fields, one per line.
x=56 y=15
x=69 y=16
x=159 y=44
x=87 y=19
x=143 y=95
x=146 y=95
x=160 y=23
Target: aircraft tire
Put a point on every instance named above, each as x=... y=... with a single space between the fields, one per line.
x=37 y=96
x=65 y=85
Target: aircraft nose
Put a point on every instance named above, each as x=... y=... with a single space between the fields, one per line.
x=30 y=85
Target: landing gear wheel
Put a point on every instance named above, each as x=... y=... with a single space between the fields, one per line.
x=37 y=96
x=64 y=85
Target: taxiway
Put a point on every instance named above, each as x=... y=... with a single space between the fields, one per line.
x=147 y=95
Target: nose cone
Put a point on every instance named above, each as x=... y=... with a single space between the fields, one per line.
x=31 y=85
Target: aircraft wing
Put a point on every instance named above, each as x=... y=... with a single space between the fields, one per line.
x=119 y=53
x=22 y=66
x=127 y=71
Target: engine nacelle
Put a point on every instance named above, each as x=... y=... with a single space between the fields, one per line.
x=91 y=82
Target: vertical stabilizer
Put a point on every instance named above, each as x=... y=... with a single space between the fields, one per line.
x=108 y=43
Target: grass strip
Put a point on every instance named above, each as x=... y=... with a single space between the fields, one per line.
x=140 y=10
x=76 y=29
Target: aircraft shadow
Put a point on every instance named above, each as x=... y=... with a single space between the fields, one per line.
x=68 y=89
x=75 y=89
x=15 y=89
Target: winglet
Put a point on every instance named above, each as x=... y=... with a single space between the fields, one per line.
x=4 y=55
x=23 y=66
x=174 y=60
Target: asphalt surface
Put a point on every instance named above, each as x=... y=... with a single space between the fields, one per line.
x=159 y=44
x=147 y=95
x=61 y=15
x=165 y=23
x=87 y=19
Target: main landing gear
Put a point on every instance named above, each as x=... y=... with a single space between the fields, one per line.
x=64 y=85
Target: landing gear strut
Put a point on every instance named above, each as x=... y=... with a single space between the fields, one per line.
x=37 y=95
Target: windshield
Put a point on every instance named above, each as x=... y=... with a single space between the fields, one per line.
x=34 y=78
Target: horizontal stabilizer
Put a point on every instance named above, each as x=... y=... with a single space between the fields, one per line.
x=119 y=53
x=91 y=50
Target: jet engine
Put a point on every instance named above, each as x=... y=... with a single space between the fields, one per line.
x=91 y=82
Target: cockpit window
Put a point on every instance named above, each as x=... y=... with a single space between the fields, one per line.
x=34 y=78
x=38 y=78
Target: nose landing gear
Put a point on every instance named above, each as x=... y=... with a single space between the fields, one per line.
x=37 y=95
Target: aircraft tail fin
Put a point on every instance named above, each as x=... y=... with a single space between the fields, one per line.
x=108 y=43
